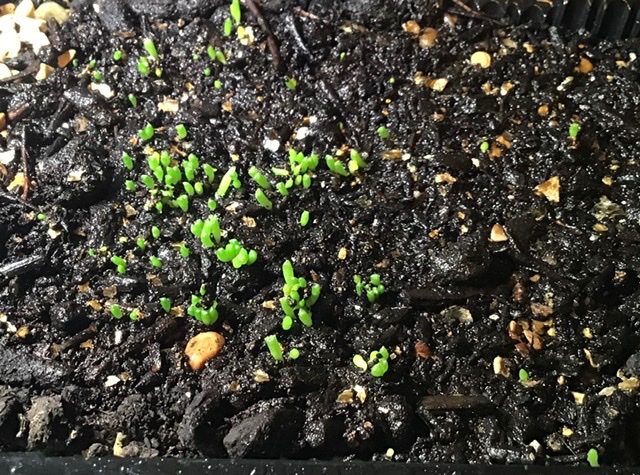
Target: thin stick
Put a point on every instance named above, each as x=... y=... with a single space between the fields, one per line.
x=272 y=41
x=25 y=166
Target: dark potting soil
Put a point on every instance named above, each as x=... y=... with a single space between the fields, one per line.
x=511 y=308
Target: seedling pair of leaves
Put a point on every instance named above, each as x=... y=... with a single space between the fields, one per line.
x=378 y=363
x=298 y=298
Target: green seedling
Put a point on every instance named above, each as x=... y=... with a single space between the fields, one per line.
x=373 y=289
x=274 y=347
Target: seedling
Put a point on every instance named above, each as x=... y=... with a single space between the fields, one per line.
x=484 y=147
x=236 y=254
x=184 y=251
x=147 y=132
x=155 y=232
x=336 y=166
x=116 y=311
x=133 y=100
x=259 y=178
x=304 y=218
x=117 y=55
x=130 y=185
x=378 y=363
x=150 y=47
x=262 y=199
x=207 y=316
x=235 y=11
x=592 y=458
x=228 y=27
x=383 y=132
x=120 y=263
x=165 y=303
x=274 y=347
x=523 y=375
x=134 y=315
x=374 y=289
x=228 y=179
x=144 y=67
x=141 y=243
x=294 y=354
x=217 y=84
x=41 y=217
x=574 y=129
x=155 y=261
x=298 y=297
x=127 y=161
x=207 y=72
x=291 y=84
x=181 y=130
x=97 y=76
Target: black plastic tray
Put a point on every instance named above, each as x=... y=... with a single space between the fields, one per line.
x=32 y=464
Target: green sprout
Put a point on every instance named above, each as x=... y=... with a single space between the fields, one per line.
x=523 y=375
x=184 y=250
x=181 y=130
x=120 y=263
x=147 y=132
x=127 y=161
x=235 y=11
x=133 y=100
x=165 y=303
x=236 y=254
x=383 y=132
x=263 y=200
x=217 y=84
x=141 y=243
x=216 y=55
x=291 y=84
x=41 y=217
x=116 y=311
x=134 y=315
x=209 y=171
x=298 y=296
x=155 y=261
x=373 y=290
x=211 y=204
x=91 y=252
x=207 y=72
x=117 y=55
x=574 y=129
x=182 y=202
x=592 y=458
x=97 y=76
x=92 y=64
x=294 y=354
x=259 y=178
x=207 y=316
x=274 y=347
x=205 y=230
x=304 y=218
x=155 y=232
x=130 y=185
x=356 y=162
x=228 y=27
x=229 y=178
x=150 y=47
x=378 y=363
x=144 y=67
x=484 y=147
x=336 y=166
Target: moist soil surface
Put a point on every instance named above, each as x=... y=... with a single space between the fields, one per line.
x=508 y=248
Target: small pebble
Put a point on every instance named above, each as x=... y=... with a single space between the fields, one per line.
x=481 y=58
x=203 y=347
x=411 y=27
x=585 y=66
x=498 y=234
x=428 y=37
